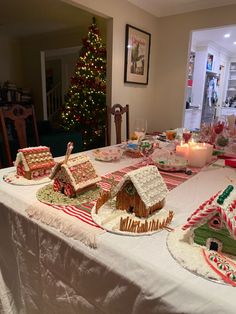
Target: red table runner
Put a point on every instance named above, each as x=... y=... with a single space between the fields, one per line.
x=83 y=211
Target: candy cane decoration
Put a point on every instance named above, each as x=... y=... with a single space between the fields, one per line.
x=70 y=147
x=199 y=217
x=229 y=221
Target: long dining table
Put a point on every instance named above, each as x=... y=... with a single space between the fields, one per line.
x=43 y=270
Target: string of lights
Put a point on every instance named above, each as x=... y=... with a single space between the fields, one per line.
x=84 y=108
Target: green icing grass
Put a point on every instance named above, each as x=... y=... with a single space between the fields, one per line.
x=47 y=195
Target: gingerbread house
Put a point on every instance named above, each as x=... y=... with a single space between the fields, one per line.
x=141 y=191
x=34 y=162
x=74 y=176
x=213 y=224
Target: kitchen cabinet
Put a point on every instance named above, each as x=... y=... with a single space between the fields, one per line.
x=231 y=86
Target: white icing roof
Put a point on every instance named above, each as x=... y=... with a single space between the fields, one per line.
x=148 y=183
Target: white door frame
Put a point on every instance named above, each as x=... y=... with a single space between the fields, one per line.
x=43 y=56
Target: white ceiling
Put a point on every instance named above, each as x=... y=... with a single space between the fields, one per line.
x=216 y=36
x=21 y=18
x=162 y=8
x=28 y=17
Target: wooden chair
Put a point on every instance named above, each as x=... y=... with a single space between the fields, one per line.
x=117 y=111
x=14 y=121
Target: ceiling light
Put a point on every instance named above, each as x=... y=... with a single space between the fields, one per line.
x=226 y=35
x=234 y=42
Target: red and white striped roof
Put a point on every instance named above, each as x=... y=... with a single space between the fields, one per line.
x=208 y=209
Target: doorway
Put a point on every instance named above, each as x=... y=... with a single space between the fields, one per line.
x=208 y=87
x=57 y=67
x=213 y=246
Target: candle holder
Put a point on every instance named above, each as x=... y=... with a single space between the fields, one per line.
x=197 y=156
x=170 y=135
x=182 y=150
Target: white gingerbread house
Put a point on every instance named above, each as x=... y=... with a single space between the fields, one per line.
x=142 y=191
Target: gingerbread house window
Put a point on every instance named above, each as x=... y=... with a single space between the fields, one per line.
x=215 y=222
x=130 y=189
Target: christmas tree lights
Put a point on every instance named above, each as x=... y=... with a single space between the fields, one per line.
x=85 y=102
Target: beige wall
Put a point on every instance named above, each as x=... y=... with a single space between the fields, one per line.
x=31 y=48
x=10 y=61
x=162 y=101
x=173 y=36
x=141 y=98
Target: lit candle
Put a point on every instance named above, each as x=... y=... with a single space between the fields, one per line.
x=182 y=150
x=197 y=155
x=209 y=148
x=191 y=142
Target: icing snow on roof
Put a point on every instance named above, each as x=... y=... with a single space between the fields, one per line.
x=148 y=183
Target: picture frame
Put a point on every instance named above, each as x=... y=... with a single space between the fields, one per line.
x=137 y=55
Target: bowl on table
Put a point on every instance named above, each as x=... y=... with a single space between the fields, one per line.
x=108 y=154
x=172 y=163
x=132 y=149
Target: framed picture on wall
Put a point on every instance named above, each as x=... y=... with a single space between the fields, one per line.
x=137 y=53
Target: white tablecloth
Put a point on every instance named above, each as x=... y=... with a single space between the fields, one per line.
x=42 y=271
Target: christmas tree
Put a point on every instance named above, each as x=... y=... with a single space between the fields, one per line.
x=85 y=102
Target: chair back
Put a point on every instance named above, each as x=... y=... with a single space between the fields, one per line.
x=117 y=111
x=17 y=115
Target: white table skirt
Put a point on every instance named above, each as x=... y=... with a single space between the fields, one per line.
x=42 y=271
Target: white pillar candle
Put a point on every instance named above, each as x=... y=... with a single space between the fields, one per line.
x=182 y=150
x=209 y=148
x=197 y=156
x=192 y=142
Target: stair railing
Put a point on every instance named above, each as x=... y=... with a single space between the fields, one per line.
x=54 y=100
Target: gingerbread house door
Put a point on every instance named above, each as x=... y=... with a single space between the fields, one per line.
x=214 y=244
